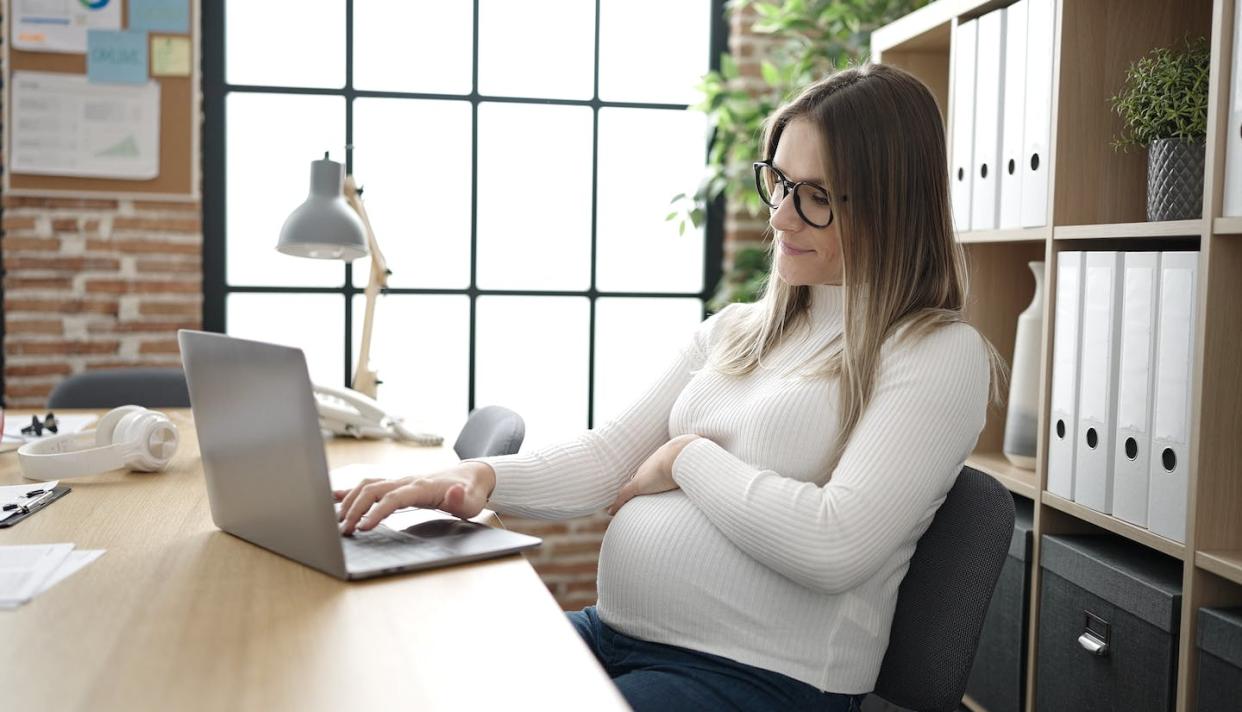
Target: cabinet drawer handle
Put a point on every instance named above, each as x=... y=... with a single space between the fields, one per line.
x=1095 y=635
x=1093 y=645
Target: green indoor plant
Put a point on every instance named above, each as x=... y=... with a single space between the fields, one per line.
x=810 y=39
x=1163 y=106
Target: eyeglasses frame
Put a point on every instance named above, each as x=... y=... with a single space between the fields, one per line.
x=791 y=188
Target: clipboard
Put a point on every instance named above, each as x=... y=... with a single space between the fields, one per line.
x=57 y=492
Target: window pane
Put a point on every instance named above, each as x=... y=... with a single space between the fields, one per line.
x=635 y=341
x=628 y=68
x=272 y=140
x=534 y=196
x=414 y=46
x=314 y=323
x=539 y=48
x=531 y=356
x=646 y=156
x=413 y=160
x=298 y=43
x=420 y=348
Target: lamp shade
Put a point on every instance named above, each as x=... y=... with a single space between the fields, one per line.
x=325 y=226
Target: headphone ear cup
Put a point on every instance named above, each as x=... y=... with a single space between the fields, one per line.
x=151 y=440
x=107 y=424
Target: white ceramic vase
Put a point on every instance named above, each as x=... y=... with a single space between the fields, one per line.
x=1022 y=420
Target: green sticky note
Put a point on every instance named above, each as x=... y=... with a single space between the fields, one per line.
x=170 y=56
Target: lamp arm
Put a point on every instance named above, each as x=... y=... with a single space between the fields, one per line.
x=366 y=380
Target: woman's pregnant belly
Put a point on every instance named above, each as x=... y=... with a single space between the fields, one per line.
x=667 y=574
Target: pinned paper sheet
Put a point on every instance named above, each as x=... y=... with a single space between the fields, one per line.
x=63 y=125
x=116 y=57
x=170 y=56
x=159 y=15
x=43 y=26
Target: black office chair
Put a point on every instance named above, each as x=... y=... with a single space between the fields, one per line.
x=113 y=387
x=492 y=430
x=945 y=595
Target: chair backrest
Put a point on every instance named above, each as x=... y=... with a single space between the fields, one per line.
x=945 y=595
x=492 y=430
x=110 y=388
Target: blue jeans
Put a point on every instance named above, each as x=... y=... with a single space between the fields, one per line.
x=654 y=677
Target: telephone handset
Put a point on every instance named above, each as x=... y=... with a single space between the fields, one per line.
x=344 y=411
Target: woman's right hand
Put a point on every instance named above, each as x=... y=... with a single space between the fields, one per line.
x=461 y=491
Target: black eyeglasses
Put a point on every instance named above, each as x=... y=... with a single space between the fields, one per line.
x=813 y=203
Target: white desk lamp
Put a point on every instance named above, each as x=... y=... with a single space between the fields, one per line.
x=332 y=224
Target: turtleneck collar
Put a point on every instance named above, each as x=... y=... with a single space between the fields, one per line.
x=827 y=304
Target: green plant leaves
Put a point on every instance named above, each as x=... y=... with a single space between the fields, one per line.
x=810 y=38
x=1164 y=95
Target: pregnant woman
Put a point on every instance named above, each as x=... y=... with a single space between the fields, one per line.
x=770 y=487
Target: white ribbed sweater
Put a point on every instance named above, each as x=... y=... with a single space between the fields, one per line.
x=762 y=555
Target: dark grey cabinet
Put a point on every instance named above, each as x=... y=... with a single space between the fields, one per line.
x=1108 y=626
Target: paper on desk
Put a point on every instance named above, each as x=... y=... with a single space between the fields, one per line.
x=16 y=494
x=73 y=563
x=26 y=568
x=72 y=423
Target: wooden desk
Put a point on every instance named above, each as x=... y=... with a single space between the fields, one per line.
x=178 y=615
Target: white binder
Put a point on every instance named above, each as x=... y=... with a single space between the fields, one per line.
x=1064 y=401
x=989 y=67
x=963 y=122
x=1233 y=135
x=1170 y=430
x=1013 y=115
x=1132 y=444
x=1037 y=129
x=1097 y=383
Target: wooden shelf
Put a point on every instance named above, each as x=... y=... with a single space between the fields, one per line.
x=924 y=30
x=1016 y=479
x=1097 y=201
x=1116 y=526
x=1226 y=564
x=1018 y=234
x=1227 y=226
x=1167 y=228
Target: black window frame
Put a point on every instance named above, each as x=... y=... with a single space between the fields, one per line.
x=216 y=289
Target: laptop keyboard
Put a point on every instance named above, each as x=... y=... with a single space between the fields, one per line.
x=383 y=547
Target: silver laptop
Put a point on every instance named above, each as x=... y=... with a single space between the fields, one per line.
x=267 y=475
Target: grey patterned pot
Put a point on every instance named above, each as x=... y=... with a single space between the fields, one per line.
x=1175 y=179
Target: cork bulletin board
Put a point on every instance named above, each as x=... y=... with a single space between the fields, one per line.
x=178 y=176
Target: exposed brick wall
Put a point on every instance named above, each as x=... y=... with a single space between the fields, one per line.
x=95 y=283
x=569 y=557
x=748 y=49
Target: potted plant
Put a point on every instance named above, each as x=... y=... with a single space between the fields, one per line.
x=1163 y=106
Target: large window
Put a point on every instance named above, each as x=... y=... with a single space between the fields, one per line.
x=517 y=160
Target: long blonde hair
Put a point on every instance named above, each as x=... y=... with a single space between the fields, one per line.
x=883 y=146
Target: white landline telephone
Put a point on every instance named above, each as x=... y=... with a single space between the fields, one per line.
x=344 y=411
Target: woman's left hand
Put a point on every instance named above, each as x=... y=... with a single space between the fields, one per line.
x=655 y=474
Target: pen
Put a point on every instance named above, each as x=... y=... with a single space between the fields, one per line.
x=33 y=493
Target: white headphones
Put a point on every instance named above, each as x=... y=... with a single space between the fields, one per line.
x=130 y=436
